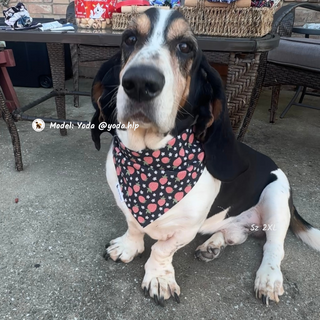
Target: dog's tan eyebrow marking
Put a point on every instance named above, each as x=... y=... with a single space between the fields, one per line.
x=142 y=24
x=178 y=28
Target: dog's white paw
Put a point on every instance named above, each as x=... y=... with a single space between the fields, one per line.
x=269 y=284
x=161 y=285
x=124 y=249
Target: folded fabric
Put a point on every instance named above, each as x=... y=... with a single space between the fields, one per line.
x=312 y=26
x=254 y=3
x=262 y=3
x=17 y=17
x=222 y=1
x=168 y=3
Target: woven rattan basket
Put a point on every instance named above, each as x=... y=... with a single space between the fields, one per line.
x=230 y=21
x=120 y=21
x=212 y=21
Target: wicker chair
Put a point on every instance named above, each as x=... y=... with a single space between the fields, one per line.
x=294 y=62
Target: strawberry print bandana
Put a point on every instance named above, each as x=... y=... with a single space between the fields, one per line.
x=153 y=181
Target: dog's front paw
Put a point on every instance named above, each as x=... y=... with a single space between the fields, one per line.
x=161 y=286
x=269 y=284
x=124 y=249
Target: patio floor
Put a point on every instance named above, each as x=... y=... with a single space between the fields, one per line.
x=52 y=240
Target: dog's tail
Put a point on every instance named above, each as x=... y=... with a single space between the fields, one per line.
x=304 y=230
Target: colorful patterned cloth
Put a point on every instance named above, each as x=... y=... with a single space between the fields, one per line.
x=168 y=3
x=152 y=181
x=17 y=17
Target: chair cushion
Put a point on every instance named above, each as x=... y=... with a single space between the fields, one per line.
x=297 y=52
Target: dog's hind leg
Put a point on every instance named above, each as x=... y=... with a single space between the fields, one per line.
x=126 y=247
x=275 y=216
x=229 y=232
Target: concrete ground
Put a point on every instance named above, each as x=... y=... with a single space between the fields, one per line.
x=52 y=240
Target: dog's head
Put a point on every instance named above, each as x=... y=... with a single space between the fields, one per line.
x=164 y=82
x=158 y=53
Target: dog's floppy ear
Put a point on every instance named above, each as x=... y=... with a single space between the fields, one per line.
x=103 y=97
x=223 y=153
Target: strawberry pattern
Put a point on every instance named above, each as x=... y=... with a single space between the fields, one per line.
x=153 y=181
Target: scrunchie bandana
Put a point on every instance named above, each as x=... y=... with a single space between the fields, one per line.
x=151 y=182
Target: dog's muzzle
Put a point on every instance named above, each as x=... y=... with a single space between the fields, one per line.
x=143 y=84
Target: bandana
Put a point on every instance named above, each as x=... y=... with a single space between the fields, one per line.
x=151 y=182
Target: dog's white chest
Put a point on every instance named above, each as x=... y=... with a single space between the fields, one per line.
x=185 y=214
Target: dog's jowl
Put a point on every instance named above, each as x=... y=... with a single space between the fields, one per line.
x=181 y=171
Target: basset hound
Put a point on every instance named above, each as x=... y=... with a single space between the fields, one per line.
x=182 y=172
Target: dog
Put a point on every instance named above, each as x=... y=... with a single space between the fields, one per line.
x=182 y=172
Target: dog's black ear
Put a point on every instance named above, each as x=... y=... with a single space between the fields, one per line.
x=103 y=96
x=223 y=153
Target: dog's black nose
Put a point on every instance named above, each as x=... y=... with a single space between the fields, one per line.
x=143 y=83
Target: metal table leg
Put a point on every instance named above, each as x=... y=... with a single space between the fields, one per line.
x=274 y=102
x=56 y=58
x=292 y=102
x=303 y=94
x=7 y=117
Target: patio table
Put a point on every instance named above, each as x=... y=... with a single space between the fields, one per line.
x=242 y=55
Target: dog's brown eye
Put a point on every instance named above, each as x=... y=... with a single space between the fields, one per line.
x=130 y=41
x=184 y=47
